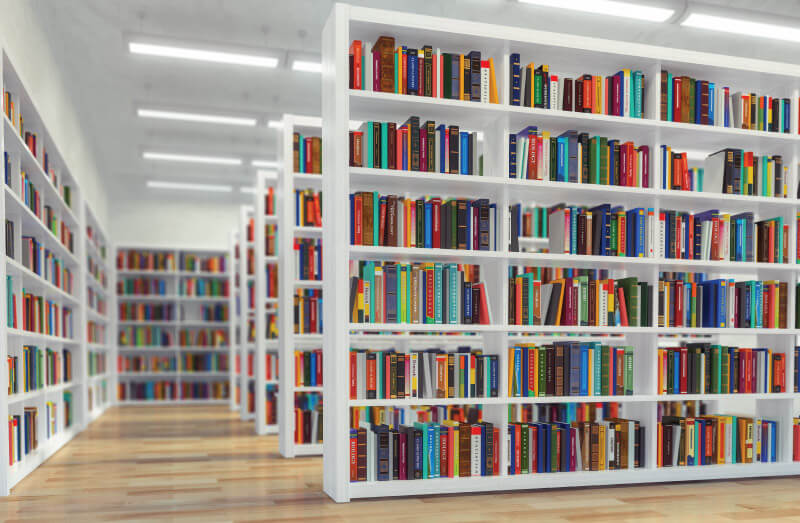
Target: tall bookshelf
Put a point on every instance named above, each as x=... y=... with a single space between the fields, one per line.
x=246 y=347
x=234 y=306
x=101 y=362
x=290 y=282
x=574 y=55
x=56 y=219
x=266 y=305
x=191 y=336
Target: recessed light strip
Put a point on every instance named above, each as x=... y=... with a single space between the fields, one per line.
x=217 y=160
x=306 y=66
x=742 y=27
x=155 y=184
x=203 y=55
x=195 y=117
x=265 y=163
x=609 y=7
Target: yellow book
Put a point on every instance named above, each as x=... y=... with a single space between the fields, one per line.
x=598 y=93
x=601 y=458
x=493 y=98
x=367 y=305
x=532 y=83
x=398 y=71
x=460 y=78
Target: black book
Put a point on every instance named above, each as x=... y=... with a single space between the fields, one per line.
x=475 y=75
x=455 y=138
x=552 y=307
x=526 y=96
x=516 y=209
x=413 y=128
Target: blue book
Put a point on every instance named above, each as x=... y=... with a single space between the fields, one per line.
x=512 y=155
x=584 y=388
x=711 y=103
x=676 y=381
x=465 y=151
x=561 y=158
x=698 y=95
x=622 y=93
x=413 y=71
x=428 y=224
x=493 y=368
x=516 y=78
x=390 y=274
x=518 y=370
x=612 y=173
x=512 y=437
x=441 y=133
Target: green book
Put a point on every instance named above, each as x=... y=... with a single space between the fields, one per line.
x=594 y=159
x=604 y=368
x=628 y=371
x=596 y=381
x=367 y=145
x=524 y=448
x=447 y=75
x=630 y=289
x=669 y=96
x=437 y=293
x=583 y=299
x=542 y=371
x=604 y=160
x=423 y=426
x=384 y=147
x=614 y=233
x=527 y=281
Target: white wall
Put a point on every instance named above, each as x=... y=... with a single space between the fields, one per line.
x=171 y=222
x=26 y=44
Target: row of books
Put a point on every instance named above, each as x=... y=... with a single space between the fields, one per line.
x=202 y=262
x=39 y=314
x=204 y=362
x=141 y=286
x=30 y=195
x=96 y=301
x=721 y=303
x=68 y=410
x=715 y=439
x=271 y=279
x=307 y=208
x=271 y=365
x=50 y=419
x=270 y=240
x=270 y=403
x=583 y=300
x=602 y=230
x=146 y=336
x=147 y=390
x=269 y=201
x=40 y=260
x=149 y=363
x=207 y=287
x=689 y=100
x=307 y=309
x=308 y=368
x=22 y=434
x=416 y=146
x=59 y=228
x=427 y=222
x=95 y=332
x=436 y=293
x=306 y=154
x=543 y=447
x=211 y=312
x=307 y=259
x=424 y=450
x=96 y=271
x=727 y=171
x=703 y=368
x=145 y=260
x=308 y=420
x=94 y=237
x=570 y=369
x=531 y=222
x=129 y=311
x=431 y=373
x=423 y=71
x=621 y=94
x=204 y=337
x=577 y=157
x=96 y=363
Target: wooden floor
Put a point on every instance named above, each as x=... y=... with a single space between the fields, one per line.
x=201 y=464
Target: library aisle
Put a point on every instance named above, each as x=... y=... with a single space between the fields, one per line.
x=203 y=464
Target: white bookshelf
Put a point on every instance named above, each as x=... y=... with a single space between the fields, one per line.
x=570 y=55
x=263 y=304
x=289 y=181
x=234 y=304
x=50 y=183
x=187 y=316
x=247 y=316
x=101 y=388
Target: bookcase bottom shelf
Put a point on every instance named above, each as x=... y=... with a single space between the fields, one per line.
x=307 y=449
x=271 y=429
x=29 y=463
x=378 y=489
x=172 y=402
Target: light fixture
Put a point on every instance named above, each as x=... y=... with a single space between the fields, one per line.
x=196 y=117
x=269 y=175
x=306 y=66
x=202 y=55
x=217 y=160
x=275 y=124
x=609 y=7
x=264 y=163
x=154 y=184
x=742 y=27
x=247 y=190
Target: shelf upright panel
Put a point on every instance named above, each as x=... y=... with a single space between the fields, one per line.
x=264 y=180
x=246 y=345
x=233 y=320
x=5 y=483
x=289 y=181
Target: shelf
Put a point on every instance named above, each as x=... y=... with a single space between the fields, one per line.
x=146 y=348
x=442 y=328
x=307 y=232
x=146 y=298
x=34 y=282
x=171 y=374
x=98 y=346
x=145 y=272
x=202 y=323
x=96 y=285
x=22 y=397
x=306 y=180
x=307 y=449
x=198 y=274
x=310 y=284
x=139 y=403
x=201 y=299
x=308 y=389
x=154 y=323
x=40 y=337
x=96 y=316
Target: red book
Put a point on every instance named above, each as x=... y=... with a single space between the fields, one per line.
x=476 y=229
x=376 y=71
x=436 y=204
x=623 y=308
x=404 y=75
x=353 y=457
x=684 y=361
x=496 y=452
x=533 y=443
x=429 y=285
x=420 y=75
x=308 y=156
x=423 y=148
x=676 y=99
x=353 y=376
x=403 y=458
x=356 y=52
x=644 y=151
x=382 y=222
x=443 y=453
x=517 y=456
x=573 y=451
x=357 y=202
x=679 y=303
x=483 y=306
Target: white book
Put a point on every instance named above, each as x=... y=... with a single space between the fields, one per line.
x=553 y=92
x=611 y=435
x=578 y=453
x=760 y=373
x=547 y=290
x=485 y=85
x=314 y=426
x=631 y=445
x=545 y=163
x=558 y=233
x=437 y=82
x=676 y=443
x=457 y=376
x=651 y=233
x=728 y=446
x=475 y=454
x=628 y=96
x=367 y=65
x=361 y=365
x=522 y=158
x=603 y=308
x=508 y=447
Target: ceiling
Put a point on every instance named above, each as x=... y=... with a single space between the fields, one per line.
x=89 y=40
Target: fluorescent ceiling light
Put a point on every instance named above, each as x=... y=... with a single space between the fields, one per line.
x=153 y=184
x=217 y=160
x=742 y=27
x=275 y=124
x=609 y=7
x=264 y=163
x=247 y=190
x=203 y=55
x=195 y=117
x=306 y=66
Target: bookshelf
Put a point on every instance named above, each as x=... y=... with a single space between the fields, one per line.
x=246 y=347
x=45 y=214
x=234 y=306
x=290 y=181
x=266 y=302
x=574 y=55
x=100 y=302
x=173 y=326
